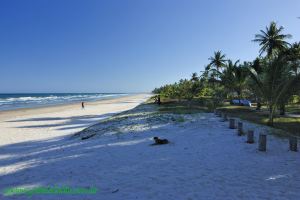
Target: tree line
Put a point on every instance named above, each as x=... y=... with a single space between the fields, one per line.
x=271 y=79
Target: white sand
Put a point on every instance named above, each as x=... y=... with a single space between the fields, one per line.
x=205 y=160
x=45 y=123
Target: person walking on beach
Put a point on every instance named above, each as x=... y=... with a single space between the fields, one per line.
x=82 y=105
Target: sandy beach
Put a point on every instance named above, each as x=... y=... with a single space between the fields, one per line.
x=48 y=122
x=204 y=159
x=150 y=100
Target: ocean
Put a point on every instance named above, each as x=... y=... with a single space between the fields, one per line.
x=31 y=100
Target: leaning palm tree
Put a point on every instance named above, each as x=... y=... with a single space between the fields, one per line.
x=272 y=40
x=218 y=61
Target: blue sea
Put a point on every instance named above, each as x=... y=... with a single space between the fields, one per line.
x=16 y=101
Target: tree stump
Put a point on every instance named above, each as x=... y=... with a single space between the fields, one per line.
x=250 y=137
x=293 y=143
x=262 y=142
x=240 y=128
x=232 y=123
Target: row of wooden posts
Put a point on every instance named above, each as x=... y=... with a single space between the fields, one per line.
x=262 y=140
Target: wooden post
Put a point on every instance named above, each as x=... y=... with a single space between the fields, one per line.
x=262 y=142
x=293 y=143
x=250 y=137
x=240 y=128
x=232 y=123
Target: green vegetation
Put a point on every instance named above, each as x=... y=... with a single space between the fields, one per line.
x=286 y=123
x=272 y=81
x=182 y=107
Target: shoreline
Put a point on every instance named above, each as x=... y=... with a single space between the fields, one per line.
x=20 y=112
x=3 y=107
x=63 y=103
x=45 y=123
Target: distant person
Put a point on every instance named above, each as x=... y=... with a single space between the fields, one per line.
x=82 y=105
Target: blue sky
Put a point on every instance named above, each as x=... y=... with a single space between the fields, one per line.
x=126 y=45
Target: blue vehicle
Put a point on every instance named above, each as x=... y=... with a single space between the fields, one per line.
x=242 y=102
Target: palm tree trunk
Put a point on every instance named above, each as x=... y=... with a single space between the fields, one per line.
x=239 y=96
x=258 y=106
x=271 y=115
x=282 y=109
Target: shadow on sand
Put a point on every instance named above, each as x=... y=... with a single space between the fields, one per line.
x=63 y=123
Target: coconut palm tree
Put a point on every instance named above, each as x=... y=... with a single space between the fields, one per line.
x=258 y=68
x=194 y=77
x=218 y=61
x=274 y=82
x=227 y=77
x=294 y=56
x=272 y=40
x=234 y=77
x=211 y=74
x=240 y=77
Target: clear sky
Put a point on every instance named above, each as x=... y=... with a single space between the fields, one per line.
x=126 y=45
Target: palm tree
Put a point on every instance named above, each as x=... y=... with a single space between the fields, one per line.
x=211 y=74
x=194 y=77
x=275 y=81
x=234 y=77
x=227 y=76
x=272 y=40
x=258 y=68
x=218 y=60
x=294 y=56
x=240 y=77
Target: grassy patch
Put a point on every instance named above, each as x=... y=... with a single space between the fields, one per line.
x=181 y=107
x=293 y=109
x=289 y=124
